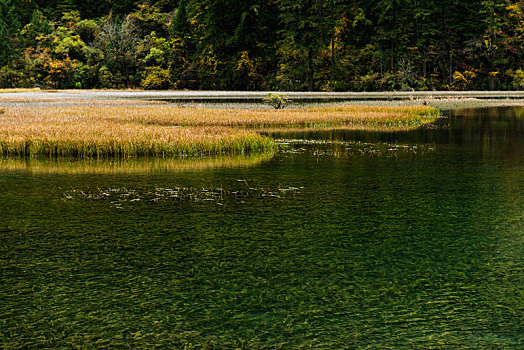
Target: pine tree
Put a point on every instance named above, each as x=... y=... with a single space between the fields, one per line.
x=306 y=31
x=181 y=20
x=122 y=7
x=9 y=31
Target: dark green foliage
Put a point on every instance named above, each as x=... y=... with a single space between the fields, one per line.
x=328 y=45
x=304 y=36
x=122 y=7
x=93 y=8
x=38 y=26
x=9 y=31
x=181 y=20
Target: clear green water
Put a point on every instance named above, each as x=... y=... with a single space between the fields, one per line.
x=372 y=240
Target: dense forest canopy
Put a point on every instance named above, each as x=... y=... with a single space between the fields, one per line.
x=325 y=45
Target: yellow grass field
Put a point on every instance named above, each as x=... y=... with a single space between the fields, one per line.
x=166 y=131
x=14 y=91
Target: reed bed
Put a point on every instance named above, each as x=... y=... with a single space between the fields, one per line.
x=348 y=116
x=166 y=131
x=59 y=132
x=372 y=116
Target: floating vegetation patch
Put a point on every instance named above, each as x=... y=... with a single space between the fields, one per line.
x=352 y=148
x=122 y=196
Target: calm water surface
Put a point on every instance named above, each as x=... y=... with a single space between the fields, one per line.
x=342 y=240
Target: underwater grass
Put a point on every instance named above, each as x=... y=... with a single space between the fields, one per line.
x=166 y=131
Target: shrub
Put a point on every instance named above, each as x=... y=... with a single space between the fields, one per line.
x=518 y=79
x=464 y=80
x=105 y=77
x=277 y=101
x=156 y=78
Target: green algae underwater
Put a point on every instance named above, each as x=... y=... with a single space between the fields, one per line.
x=344 y=239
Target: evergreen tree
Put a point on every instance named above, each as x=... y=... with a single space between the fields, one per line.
x=9 y=29
x=39 y=25
x=121 y=8
x=181 y=20
x=91 y=9
x=305 y=33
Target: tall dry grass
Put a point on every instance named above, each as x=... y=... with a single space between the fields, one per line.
x=11 y=91
x=291 y=118
x=94 y=131
x=64 y=132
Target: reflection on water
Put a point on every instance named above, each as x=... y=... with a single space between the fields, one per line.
x=129 y=166
x=306 y=249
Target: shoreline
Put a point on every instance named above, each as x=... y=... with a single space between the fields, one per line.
x=442 y=100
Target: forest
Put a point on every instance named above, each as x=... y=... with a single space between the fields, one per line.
x=302 y=45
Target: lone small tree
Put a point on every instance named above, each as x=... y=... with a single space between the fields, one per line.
x=277 y=101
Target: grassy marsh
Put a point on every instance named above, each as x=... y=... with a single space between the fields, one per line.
x=166 y=131
x=347 y=116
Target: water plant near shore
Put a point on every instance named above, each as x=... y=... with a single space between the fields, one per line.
x=165 y=131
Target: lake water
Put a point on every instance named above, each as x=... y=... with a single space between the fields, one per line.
x=344 y=239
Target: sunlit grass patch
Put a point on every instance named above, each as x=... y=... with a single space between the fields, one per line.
x=166 y=131
x=356 y=116
x=12 y=91
x=351 y=116
x=62 y=132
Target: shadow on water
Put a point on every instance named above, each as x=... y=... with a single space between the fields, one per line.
x=491 y=131
x=320 y=246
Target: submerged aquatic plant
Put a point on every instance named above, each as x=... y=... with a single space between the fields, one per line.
x=117 y=197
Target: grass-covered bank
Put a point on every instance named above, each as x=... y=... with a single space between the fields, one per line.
x=165 y=131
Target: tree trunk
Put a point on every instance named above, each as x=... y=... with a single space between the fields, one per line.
x=310 y=69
